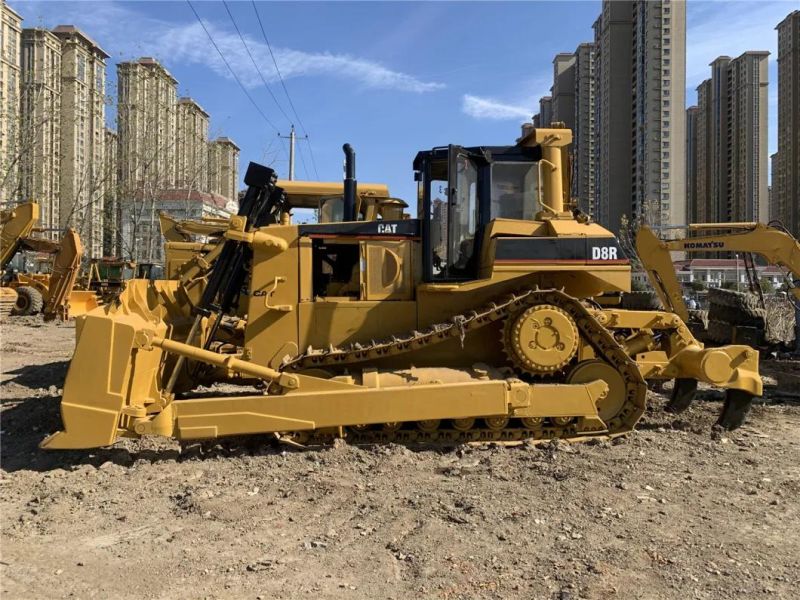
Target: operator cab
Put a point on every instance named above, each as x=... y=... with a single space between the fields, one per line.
x=373 y=255
x=461 y=190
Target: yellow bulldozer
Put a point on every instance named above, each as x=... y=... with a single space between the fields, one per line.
x=475 y=321
x=51 y=293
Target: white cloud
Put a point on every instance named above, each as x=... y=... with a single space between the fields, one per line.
x=488 y=108
x=523 y=105
x=190 y=44
x=127 y=34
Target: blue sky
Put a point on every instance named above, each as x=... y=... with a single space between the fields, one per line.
x=390 y=78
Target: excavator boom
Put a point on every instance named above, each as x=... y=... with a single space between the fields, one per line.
x=775 y=245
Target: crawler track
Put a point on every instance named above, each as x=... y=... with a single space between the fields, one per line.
x=460 y=326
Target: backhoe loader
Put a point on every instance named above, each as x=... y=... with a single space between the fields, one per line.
x=52 y=293
x=474 y=321
x=739 y=315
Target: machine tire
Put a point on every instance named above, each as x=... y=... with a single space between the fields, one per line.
x=737 y=316
x=718 y=297
x=739 y=300
x=646 y=300
x=29 y=301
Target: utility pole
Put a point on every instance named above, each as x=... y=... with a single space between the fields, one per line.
x=737 y=271
x=292 y=137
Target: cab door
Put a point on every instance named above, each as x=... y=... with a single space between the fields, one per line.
x=463 y=214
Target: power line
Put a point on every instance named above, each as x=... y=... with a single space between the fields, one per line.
x=311 y=152
x=303 y=160
x=285 y=89
x=253 y=60
x=232 y=72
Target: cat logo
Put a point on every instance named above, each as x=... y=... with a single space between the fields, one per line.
x=387 y=228
x=604 y=253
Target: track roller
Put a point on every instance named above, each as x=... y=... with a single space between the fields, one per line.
x=496 y=423
x=463 y=424
x=429 y=425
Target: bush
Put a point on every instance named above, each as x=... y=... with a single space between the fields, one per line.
x=697 y=286
x=767 y=286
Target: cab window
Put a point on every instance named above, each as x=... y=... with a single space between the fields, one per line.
x=514 y=188
x=331 y=210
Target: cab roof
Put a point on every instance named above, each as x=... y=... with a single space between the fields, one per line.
x=487 y=153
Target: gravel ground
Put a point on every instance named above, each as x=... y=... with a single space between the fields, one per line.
x=671 y=511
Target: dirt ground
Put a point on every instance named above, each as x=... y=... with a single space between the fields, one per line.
x=670 y=511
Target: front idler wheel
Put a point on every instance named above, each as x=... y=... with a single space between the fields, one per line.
x=734 y=412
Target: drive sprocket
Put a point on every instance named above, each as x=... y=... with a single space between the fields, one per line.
x=541 y=340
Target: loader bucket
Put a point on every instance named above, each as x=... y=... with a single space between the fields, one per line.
x=82 y=301
x=8 y=300
x=113 y=377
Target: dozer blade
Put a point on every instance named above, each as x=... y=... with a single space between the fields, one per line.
x=110 y=381
x=107 y=374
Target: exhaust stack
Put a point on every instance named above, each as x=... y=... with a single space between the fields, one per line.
x=350 y=183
